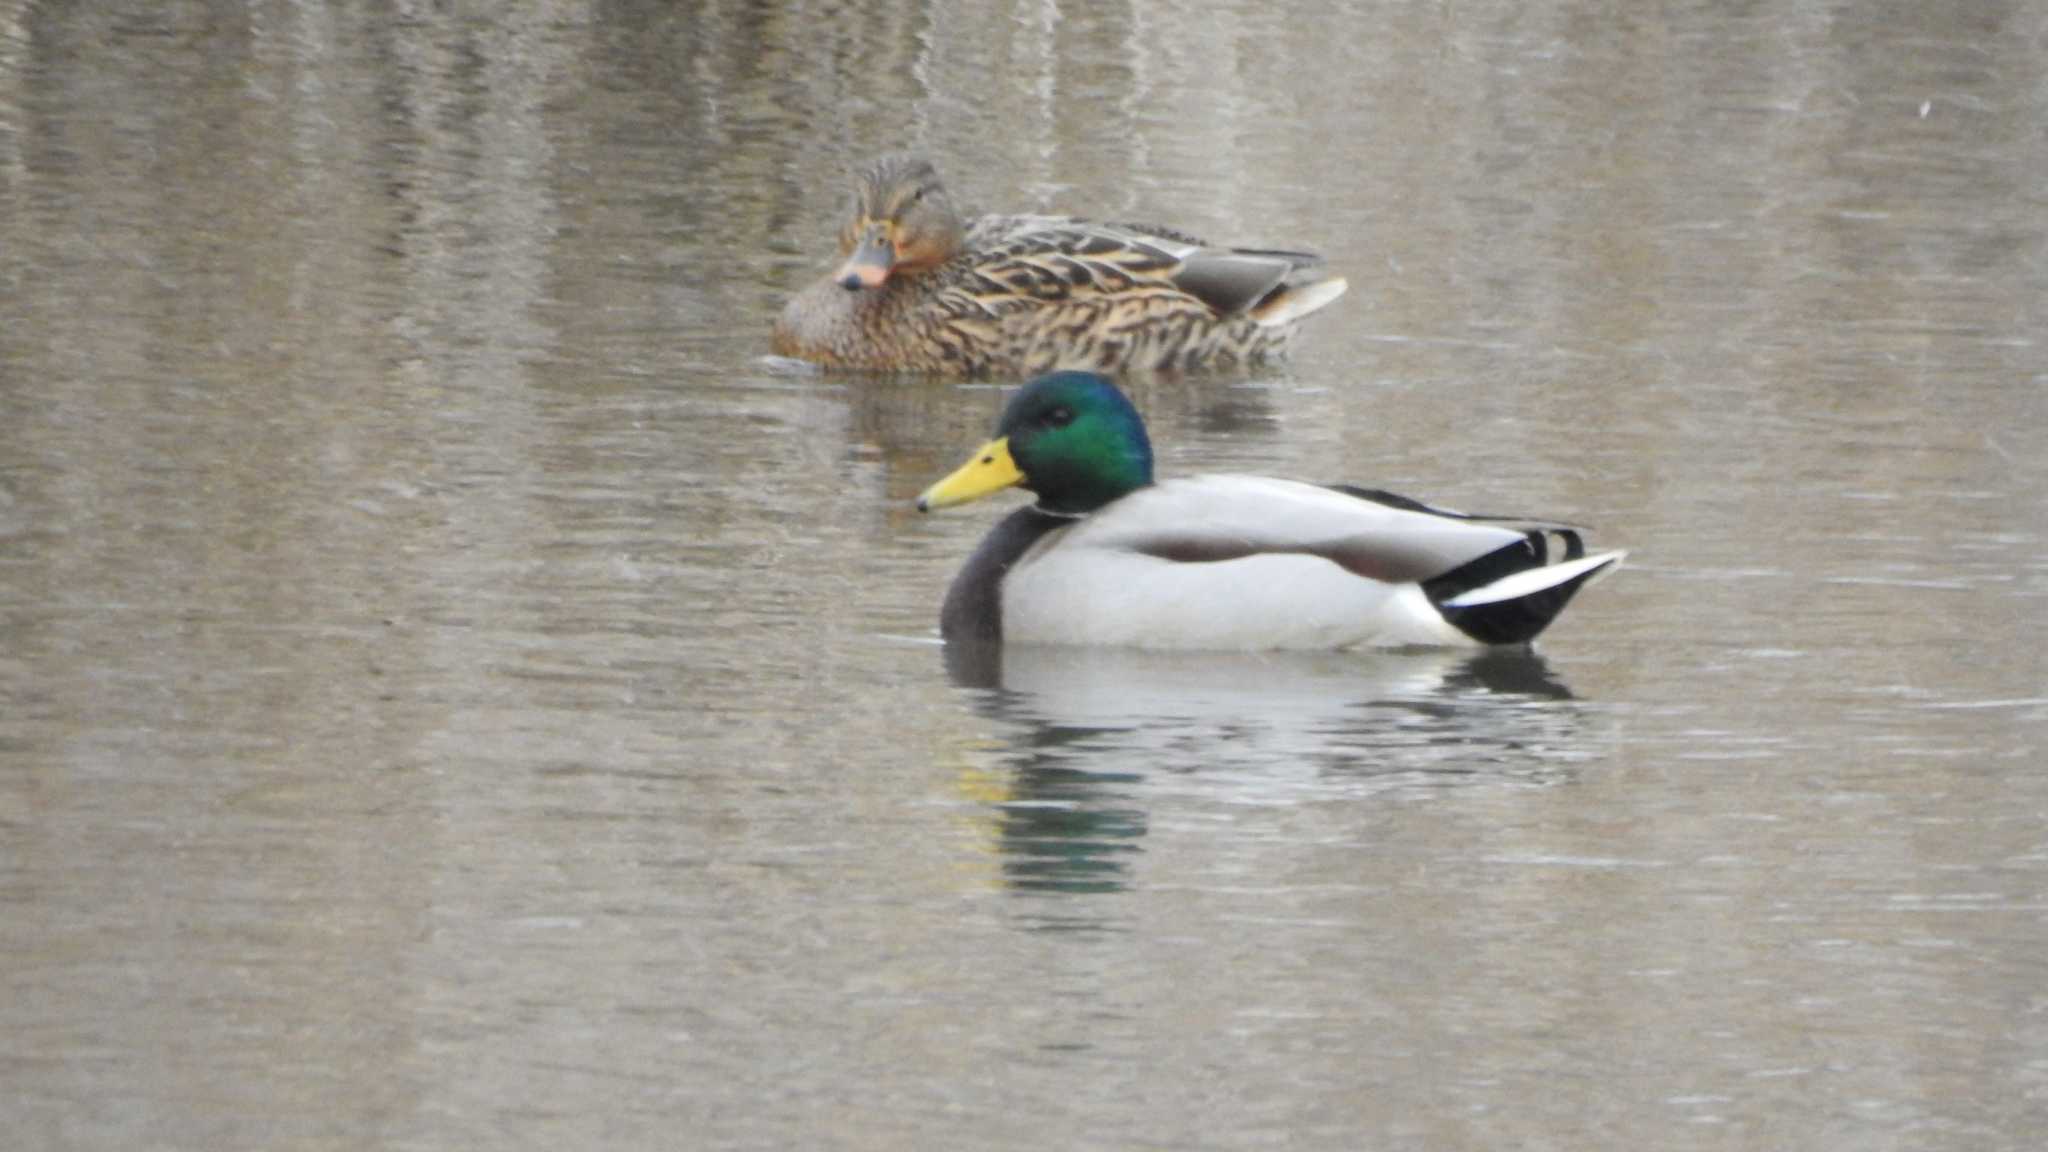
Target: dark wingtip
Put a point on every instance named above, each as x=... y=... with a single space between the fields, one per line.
x=1521 y=619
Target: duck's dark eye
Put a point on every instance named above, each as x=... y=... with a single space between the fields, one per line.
x=1060 y=417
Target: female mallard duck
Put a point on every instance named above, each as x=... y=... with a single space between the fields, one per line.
x=1108 y=557
x=921 y=290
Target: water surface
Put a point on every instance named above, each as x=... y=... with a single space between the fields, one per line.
x=453 y=693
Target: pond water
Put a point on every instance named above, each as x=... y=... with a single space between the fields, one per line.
x=455 y=693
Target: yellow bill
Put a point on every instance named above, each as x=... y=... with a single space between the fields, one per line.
x=988 y=471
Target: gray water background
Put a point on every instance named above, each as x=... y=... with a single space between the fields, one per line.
x=455 y=694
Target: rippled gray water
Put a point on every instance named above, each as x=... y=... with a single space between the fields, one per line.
x=454 y=694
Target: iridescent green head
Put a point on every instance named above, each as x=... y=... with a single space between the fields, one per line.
x=1071 y=437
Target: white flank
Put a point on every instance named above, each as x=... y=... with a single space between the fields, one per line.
x=1112 y=597
x=1251 y=563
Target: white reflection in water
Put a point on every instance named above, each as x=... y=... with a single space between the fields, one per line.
x=1095 y=735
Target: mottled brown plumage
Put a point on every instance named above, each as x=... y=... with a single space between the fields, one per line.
x=922 y=291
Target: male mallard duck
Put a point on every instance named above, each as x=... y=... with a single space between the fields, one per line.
x=1108 y=557
x=921 y=290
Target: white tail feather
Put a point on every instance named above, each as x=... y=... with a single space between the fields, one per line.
x=1295 y=303
x=1532 y=580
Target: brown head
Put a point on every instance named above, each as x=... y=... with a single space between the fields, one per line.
x=902 y=224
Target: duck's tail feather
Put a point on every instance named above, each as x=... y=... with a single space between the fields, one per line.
x=1272 y=286
x=1512 y=608
x=1291 y=302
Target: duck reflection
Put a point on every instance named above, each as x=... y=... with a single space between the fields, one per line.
x=1089 y=739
